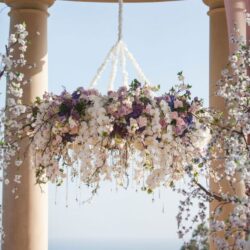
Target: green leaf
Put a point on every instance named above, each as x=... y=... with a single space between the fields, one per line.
x=150 y=191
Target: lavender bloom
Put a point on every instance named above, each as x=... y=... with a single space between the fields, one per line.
x=68 y=137
x=119 y=129
x=159 y=99
x=76 y=94
x=122 y=91
x=171 y=102
x=65 y=108
x=137 y=111
x=189 y=118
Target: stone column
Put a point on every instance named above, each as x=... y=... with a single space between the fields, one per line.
x=25 y=220
x=219 y=52
x=235 y=12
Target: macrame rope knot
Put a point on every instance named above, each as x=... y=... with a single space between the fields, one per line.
x=118 y=55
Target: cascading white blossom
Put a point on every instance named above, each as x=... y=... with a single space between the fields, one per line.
x=10 y=63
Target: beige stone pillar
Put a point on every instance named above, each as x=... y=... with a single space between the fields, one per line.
x=219 y=52
x=25 y=220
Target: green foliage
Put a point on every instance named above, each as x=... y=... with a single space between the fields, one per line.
x=80 y=108
x=134 y=84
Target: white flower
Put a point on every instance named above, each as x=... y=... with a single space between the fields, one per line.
x=133 y=126
x=72 y=123
x=11 y=102
x=20 y=28
x=23 y=48
x=7 y=61
x=18 y=163
x=233 y=59
x=181 y=77
x=248 y=18
x=17 y=179
x=20 y=77
x=224 y=72
x=12 y=38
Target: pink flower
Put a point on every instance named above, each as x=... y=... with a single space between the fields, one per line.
x=174 y=115
x=193 y=108
x=148 y=109
x=57 y=140
x=178 y=104
x=142 y=121
x=74 y=130
x=180 y=122
x=163 y=123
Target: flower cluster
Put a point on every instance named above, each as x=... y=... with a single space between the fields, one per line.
x=11 y=62
x=231 y=136
x=100 y=137
x=227 y=160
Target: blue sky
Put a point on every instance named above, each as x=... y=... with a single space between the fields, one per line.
x=165 y=38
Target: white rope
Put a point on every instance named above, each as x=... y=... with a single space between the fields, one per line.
x=102 y=67
x=120 y=20
x=119 y=53
x=114 y=66
x=136 y=65
x=124 y=68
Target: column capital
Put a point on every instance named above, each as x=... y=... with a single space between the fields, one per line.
x=214 y=4
x=29 y=4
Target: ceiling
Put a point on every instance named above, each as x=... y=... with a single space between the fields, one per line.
x=115 y=1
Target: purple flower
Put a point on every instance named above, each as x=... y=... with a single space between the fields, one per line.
x=122 y=91
x=189 y=118
x=137 y=111
x=76 y=94
x=159 y=99
x=123 y=110
x=65 y=108
x=119 y=129
x=90 y=92
x=171 y=102
x=68 y=137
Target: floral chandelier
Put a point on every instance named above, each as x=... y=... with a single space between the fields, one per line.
x=96 y=137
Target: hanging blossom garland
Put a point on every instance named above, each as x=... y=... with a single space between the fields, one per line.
x=233 y=137
x=229 y=148
x=11 y=61
x=97 y=137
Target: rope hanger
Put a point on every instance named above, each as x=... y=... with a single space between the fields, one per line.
x=118 y=55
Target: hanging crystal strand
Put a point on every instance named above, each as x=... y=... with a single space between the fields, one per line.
x=80 y=187
x=163 y=208
x=55 y=196
x=77 y=195
x=153 y=197
x=67 y=188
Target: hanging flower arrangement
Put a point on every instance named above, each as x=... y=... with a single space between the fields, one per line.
x=159 y=140
x=100 y=137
